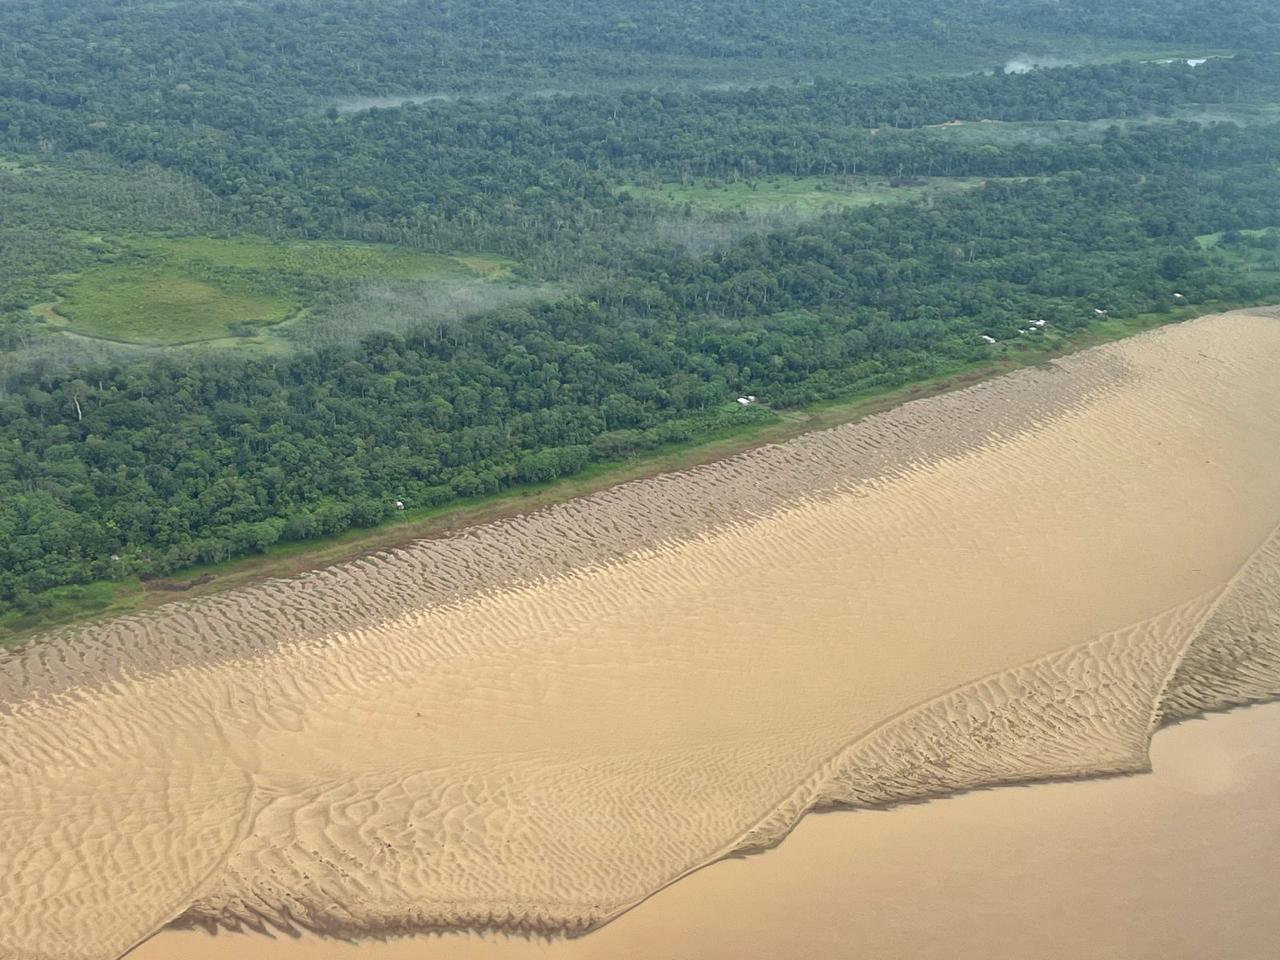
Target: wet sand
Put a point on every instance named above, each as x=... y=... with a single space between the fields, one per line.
x=1176 y=863
x=536 y=724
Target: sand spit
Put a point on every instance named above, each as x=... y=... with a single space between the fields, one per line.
x=536 y=724
x=1177 y=863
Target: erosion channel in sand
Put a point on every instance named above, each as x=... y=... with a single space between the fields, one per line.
x=535 y=724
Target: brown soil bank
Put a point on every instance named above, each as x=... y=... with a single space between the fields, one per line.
x=537 y=723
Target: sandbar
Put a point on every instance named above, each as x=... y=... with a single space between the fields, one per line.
x=534 y=725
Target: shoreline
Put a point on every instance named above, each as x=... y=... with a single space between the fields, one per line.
x=797 y=896
x=284 y=560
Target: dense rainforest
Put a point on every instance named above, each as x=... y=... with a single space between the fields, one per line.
x=127 y=56
x=647 y=280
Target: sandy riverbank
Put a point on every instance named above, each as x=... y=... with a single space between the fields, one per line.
x=538 y=723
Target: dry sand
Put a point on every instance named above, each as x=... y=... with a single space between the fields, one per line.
x=538 y=723
x=1179 y=864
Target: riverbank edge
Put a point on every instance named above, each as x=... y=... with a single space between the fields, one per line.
x=108 y=598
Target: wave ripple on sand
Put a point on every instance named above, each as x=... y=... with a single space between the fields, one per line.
x=537 y=723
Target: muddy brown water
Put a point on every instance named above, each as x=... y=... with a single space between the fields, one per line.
x=537 y=724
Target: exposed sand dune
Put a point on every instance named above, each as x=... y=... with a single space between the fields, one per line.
x=537 y=723
x=1179 y=863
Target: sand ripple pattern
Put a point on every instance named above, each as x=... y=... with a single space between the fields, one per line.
x=1236 y=660
x=538 y=723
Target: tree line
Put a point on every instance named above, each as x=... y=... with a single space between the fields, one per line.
x=143 y=117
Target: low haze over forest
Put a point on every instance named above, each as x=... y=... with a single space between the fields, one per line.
x=274 y=270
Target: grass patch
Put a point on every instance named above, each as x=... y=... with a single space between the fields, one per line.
x=162 y=303
x=804 y=195
x=319 y=258
x=163 y=291
x=63 y=604
x=1252 y=253
x=489 y=266
x=1039 y=132
x=1230 y=239
x=1122 y=52
x=1190 y=57
x=10 y=165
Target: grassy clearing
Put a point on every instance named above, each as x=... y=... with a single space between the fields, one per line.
x=164 y=291
x=487 y=266
x=1122 y=52
x=162 y=303
x=1211 y=241
x=804 y=195
x=1187 y=55
x=1255 y=253
x=12 y=165
x=1242 y=113
x=1035 y=132
x=319 y=258
x=289 y=559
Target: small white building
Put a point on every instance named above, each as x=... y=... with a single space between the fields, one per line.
x=399 y=504
x=1178 y=296
x=987 y=339
x=1101 y=313
x=744 y=401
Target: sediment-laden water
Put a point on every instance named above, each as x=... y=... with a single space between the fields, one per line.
x=536 y=724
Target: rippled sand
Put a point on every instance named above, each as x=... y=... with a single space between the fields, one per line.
x=1176 y=864
x=538 y=723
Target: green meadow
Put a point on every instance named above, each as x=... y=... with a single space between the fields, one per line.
x=808 y=196
x=166 y=291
